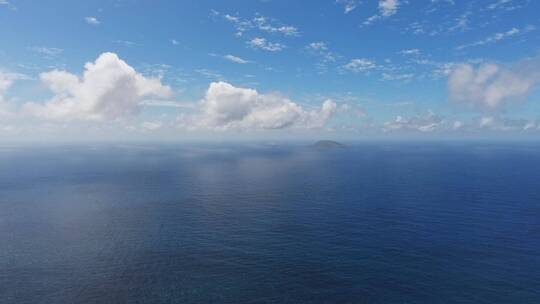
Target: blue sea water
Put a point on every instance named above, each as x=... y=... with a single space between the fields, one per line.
x=380 y=222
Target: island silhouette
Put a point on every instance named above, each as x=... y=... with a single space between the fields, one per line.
x=328 y=144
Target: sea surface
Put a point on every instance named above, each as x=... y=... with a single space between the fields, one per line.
x=376 y=222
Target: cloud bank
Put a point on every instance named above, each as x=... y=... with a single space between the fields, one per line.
x=110 y=89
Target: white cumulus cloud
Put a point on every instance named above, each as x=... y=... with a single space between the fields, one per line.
x=490 y=85
x=108 y=89
x=226 y=107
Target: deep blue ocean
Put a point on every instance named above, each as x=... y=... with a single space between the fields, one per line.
x=376 y=222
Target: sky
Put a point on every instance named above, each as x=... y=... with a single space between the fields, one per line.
x=269 y=69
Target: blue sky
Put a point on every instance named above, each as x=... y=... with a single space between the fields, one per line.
x=269 y=69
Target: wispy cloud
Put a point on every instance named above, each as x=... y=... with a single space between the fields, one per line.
x=461 y=22
x=263 y=44
x=47 y=52
x=259 y=23
x=428 y=122
x=498 y=37
x=400 y=77
x=320 y=50
x=210 y=74
x=506 y=5
x=317 y=46
x=264 y=24
x=92 y=20
x=7 y=4
x=235 y=59
x=498 y=4
x=450 y=2
x=348 y=5
x=157 y=70
x=410 y=52
x=387 y=8
x=126 y=43
x=360 y=65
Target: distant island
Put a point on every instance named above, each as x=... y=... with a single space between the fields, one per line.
x=328 y=144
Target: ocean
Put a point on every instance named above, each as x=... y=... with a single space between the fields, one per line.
x=375 y=222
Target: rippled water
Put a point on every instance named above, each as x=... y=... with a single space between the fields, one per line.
x=248 y=223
